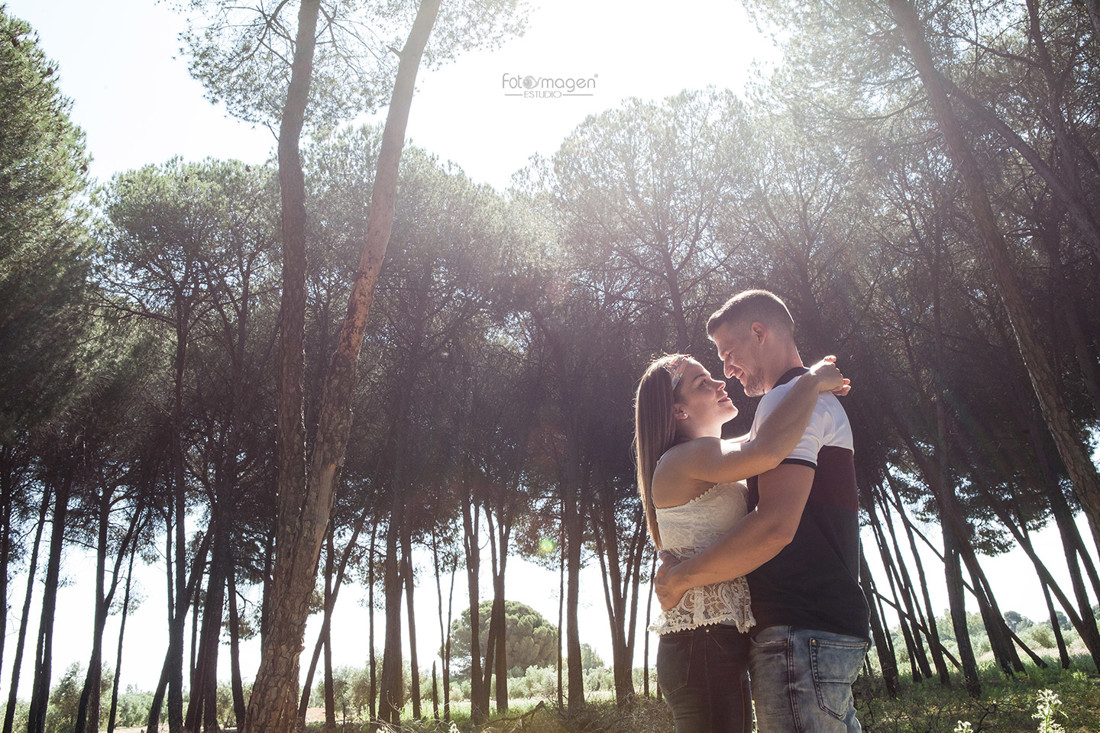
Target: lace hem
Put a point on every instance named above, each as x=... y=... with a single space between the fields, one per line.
x=662 y=626
x=721 y=603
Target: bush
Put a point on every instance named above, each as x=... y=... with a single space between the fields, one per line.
x=1040 y=635
x=537 y=683
x=133 y=708
x=599 y=680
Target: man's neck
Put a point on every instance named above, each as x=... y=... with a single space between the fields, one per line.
x=780 y=367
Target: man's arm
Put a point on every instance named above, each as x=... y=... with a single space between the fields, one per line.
x=750 y=543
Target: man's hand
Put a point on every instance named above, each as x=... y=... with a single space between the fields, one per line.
x=829 y=377
x=668 y=591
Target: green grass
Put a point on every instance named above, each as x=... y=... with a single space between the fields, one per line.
x=600 y=715
x=1007 y=705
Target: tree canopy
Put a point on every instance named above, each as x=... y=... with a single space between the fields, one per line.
x=530 y=640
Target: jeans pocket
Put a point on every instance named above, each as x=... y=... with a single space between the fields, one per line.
x=835 y=664
x=674 y=652
x=771 y=638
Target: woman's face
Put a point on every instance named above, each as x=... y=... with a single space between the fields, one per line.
x=703 y=399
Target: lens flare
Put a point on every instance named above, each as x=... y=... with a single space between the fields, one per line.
x=548 y=545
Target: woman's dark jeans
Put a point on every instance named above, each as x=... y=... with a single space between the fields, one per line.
x=703 y=675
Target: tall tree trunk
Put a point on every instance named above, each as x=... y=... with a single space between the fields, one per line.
x=444 y=625
x=330 y=685
x=1010 y=638
x=391 y=688
x=496 y=625
x=326 y=635
x=152 y=722
x=196 y=608
x=197 y=564
x=500 y=664
x=1073 y=545
x=236 y=681
x=620 y=563
x=1063 y=652
x=202 y=709
x=928 y=611
x=887 y=661
x=995 y=628
x=113 y=714
x=479 y=698
x=648 y=621
x=435 y=691
x=267 y=582
x=500 y=531
x=87 y=714
x=372 y=660
x=40 y=690
x=332 y=591
x=1067 y=436
x=574 y=532
x=7 y=503
x=955 y=533
x=277 y=678
x=561 y=607
x=320 y=647
x=179 y=515
x=897 y=572
x=32 y=569
x=1084 y=623
x=957 y=603
x=410 y=586
x=304 y=515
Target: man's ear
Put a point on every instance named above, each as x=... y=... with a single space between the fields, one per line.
x=759 y=331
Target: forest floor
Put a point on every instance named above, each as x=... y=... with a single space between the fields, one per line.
x=1070 y=698
x=1006 y=705
x=314 y=718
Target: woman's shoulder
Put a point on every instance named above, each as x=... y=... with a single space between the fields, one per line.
x=690 y=450
x=673 y=480
x=687 y=457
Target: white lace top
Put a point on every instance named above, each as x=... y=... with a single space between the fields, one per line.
x=688 y=528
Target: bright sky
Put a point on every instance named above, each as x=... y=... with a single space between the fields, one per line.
x=119 y=63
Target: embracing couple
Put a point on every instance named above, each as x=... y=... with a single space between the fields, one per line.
x=758 y=581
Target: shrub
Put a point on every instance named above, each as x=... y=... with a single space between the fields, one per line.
x=1040 y=635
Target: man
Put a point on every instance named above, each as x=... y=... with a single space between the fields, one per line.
x=799 y=547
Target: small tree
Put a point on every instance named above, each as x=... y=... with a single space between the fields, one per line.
x=1017 y=622
x=530 y=640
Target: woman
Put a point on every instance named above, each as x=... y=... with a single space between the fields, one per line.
x=688 y=479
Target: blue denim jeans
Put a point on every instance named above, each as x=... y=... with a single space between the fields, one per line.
x=702 y=674
x=802 y=680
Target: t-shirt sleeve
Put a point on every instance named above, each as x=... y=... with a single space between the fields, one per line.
x=805 y=453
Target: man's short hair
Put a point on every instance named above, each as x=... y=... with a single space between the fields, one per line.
x=753 y=306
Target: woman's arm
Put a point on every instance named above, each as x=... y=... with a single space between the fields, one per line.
x=724 y=460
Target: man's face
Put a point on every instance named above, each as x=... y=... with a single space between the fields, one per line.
x=739 y=349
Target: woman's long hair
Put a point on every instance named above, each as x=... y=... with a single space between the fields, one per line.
x=654 y=430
